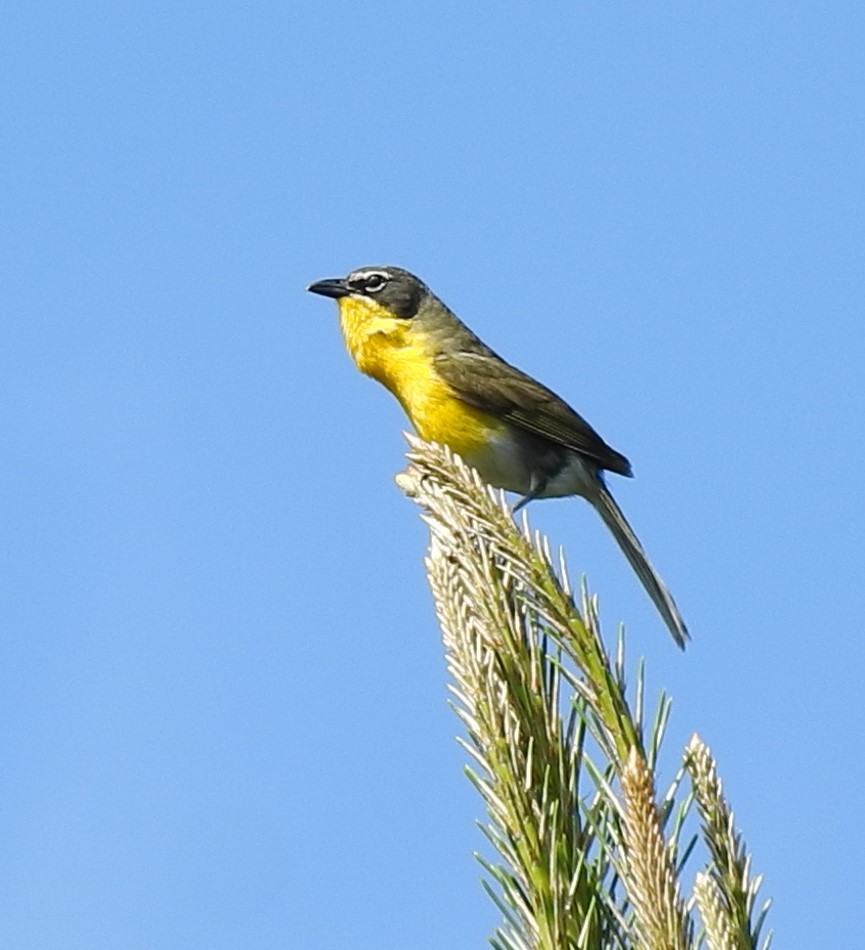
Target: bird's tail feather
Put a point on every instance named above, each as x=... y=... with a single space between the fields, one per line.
x=615 y=520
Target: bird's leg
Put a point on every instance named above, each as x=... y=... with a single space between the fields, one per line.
x=537 y=486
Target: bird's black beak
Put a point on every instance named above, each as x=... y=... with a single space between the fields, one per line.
x=332 y=287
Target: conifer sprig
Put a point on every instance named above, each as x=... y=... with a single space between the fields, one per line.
x=561 y=754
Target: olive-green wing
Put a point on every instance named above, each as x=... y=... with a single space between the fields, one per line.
x=490 y=384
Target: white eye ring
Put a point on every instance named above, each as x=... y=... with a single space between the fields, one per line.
x=374 y=281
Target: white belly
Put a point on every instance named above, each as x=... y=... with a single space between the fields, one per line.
x=508 y=463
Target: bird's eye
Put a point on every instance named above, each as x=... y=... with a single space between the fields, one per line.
x=372 y=283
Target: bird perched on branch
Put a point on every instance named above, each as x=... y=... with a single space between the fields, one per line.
x=519 y=435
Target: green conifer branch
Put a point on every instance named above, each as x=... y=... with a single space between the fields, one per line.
x=565 y=762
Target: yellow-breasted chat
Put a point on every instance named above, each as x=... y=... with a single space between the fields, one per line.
x=519 y=435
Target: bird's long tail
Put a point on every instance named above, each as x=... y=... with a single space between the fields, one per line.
x=615 y=520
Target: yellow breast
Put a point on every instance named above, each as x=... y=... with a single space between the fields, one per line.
x=398 y=354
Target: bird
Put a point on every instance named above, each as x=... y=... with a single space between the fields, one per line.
x=518 y=434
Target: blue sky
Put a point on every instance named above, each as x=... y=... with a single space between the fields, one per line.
x=223 y=716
